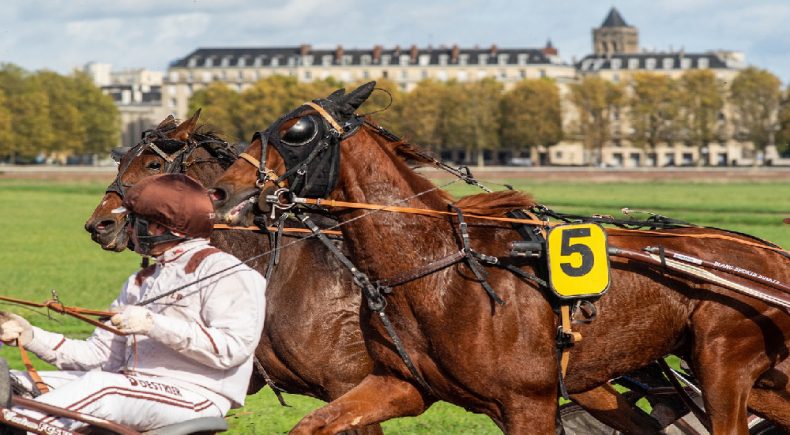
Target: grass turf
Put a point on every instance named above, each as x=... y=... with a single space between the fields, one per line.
x=44 y=247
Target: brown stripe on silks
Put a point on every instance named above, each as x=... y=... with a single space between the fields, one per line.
x=143 y=274
x=60 y=343
x=198 y=258
x=210 y=338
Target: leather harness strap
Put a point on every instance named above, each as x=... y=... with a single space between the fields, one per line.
x=321 y=111
x=574 y=337
x=285 y=230
x=34 y=376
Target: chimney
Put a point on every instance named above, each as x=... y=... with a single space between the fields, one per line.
x=454 y=54
x=413 y=54
x=304 y=50
x=396 y=52
x=549 y=49
x=493 y=50
x=376 y=53
x=339 y=55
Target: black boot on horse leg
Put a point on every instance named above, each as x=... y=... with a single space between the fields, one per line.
x=375 y=399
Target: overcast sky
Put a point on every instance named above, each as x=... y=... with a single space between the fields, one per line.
x=61 y=35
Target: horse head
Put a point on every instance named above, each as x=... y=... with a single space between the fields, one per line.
x=300 y=152
x=168 y=148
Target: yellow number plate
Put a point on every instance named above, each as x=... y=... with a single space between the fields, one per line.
x=578 y=261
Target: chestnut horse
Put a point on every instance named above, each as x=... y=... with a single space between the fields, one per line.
x=311 y=342
x=500 y=360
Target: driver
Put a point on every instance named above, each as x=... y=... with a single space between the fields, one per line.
x=188 y=354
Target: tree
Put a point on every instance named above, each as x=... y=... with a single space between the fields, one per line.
x=783 y=135
x=755 y=96
x=269 y=99
x=31 y=131
x=531 y=114
x=483 y=118
x=421 y=113
x=384 y=104
x=701 y=102
x=6 y=134
x=653 y=110
x=100 y=115
x=65 y=116
x=219 y=109
x=596 y=100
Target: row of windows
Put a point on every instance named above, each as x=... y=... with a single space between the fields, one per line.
x=650 y=63
x=365 y=59
x=238 y=75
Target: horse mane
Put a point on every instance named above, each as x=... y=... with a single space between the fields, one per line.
x=483 y=204
x=495 y=203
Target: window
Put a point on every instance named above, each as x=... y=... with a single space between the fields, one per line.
x=242 y=61
x=240 y=75
x=503 y=58
x=633 y=63
x=702 y=62
x=668 y=63
x=385 y=74
x=650 y=63
x=365 y=74
x=348 y=59
x=326 y=60
x=172 y=103
x=441 y=75
x=209 y=62
x=443 y=59
x=404 y=74
x=424 y=74
x=192 y=62
x=502 y=74
x=522 y=73
x=206 y=76
x=291 y=61
x=307 y=60
x=481 y=74
x=404 y=59
x=522 y=58
x=463 y=59
x=172 y=90
x=365 y=59
x=174 y=76
x=616 y=63
x=542 y=72
x=685 y=63
x=688 y=159
x=345 y=76
x=425 y=59
x=275 y=61
x=226 y=61
x=258 y=61
x=482 y=59
x=308 y=75
x=462 y=76
x=385 y=59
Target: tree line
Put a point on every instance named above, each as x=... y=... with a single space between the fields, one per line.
x=49 y=114
x=647 y=110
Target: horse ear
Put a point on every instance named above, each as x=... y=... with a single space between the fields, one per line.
x=170 y=120
x=186 y=128
x=358 y=96
x=337 y=95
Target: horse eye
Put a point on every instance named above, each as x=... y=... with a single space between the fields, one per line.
x=300 y=133
x=154 y=166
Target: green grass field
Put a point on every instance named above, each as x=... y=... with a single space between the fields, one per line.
x=43 y=246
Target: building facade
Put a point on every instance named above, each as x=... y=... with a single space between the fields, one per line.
x=240 y=68
x=616 y=57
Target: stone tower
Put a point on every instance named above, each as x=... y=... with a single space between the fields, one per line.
x=615 y=36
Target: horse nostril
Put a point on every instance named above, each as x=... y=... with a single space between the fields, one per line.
x=218 y=195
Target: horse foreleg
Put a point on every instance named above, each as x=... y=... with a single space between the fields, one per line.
x=377 y=398
x=610 y=407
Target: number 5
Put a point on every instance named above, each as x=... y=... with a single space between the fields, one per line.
x=567 y=249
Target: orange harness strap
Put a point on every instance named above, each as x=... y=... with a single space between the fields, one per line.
x=614 y=231
x=42 y=387
x=285 y=230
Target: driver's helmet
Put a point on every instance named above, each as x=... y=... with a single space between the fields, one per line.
x=175 y=201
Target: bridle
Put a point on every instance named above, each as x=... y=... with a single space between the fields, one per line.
x=174 y=152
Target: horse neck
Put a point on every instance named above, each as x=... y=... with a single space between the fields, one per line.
x=371 y=173
x=208 y=170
